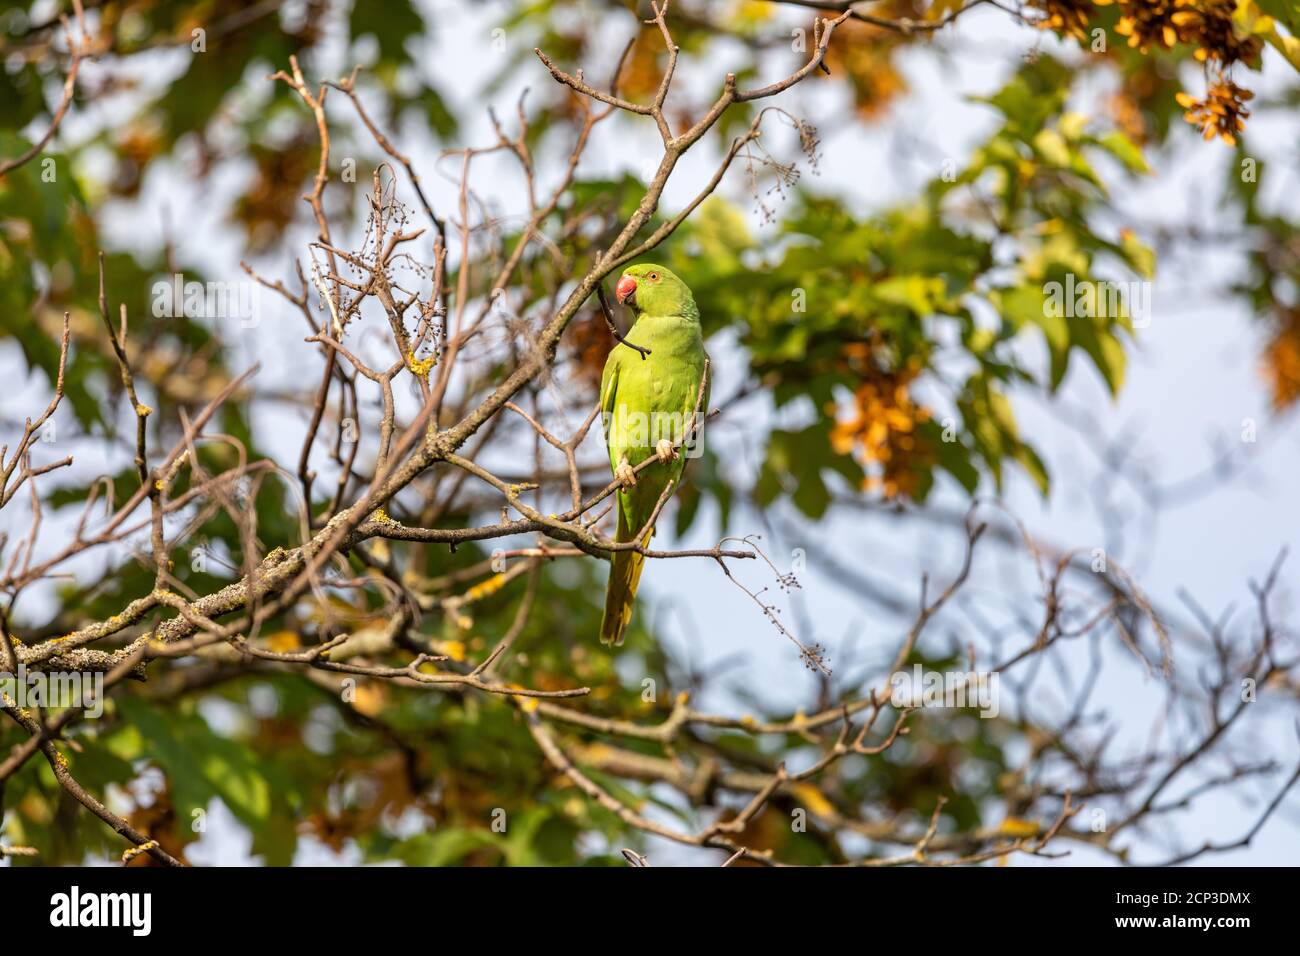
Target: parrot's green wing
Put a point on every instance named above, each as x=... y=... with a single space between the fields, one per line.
x=608 y=388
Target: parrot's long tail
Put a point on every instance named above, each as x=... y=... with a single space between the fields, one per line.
x=624 y=573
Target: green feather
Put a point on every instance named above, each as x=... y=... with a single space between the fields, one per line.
x=642 y=401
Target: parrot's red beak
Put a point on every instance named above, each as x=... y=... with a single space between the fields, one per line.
x=625 y=289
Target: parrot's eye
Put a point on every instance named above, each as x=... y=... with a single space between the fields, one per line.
x=653 y=277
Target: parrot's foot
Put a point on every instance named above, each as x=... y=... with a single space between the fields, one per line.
x=624 y=474
x=665 y=450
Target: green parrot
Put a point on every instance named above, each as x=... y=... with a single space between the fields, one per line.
x=647 y=406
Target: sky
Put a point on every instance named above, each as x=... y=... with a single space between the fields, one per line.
x=1193 y=381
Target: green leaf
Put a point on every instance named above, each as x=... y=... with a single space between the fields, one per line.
x=391 y=22
x=1139 y=256
x=1103 y=348
x=200 y=764
x=1125 y=150
x=918 y=293
x=1051 y=146
x=1027 y=305
x=1034 y=467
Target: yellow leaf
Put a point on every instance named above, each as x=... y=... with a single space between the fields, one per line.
x=368 y=698
x=812 y=798
x=526 y=704
x=489 y=587
x=752 y=11
x=1288 y=46
x=283 y=642
x=1014 y=826
x=453 y=649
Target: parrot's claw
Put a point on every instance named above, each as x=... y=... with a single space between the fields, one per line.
x=665 y=450
x=624 y=474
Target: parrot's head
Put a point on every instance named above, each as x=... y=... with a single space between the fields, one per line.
x=653 y=290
